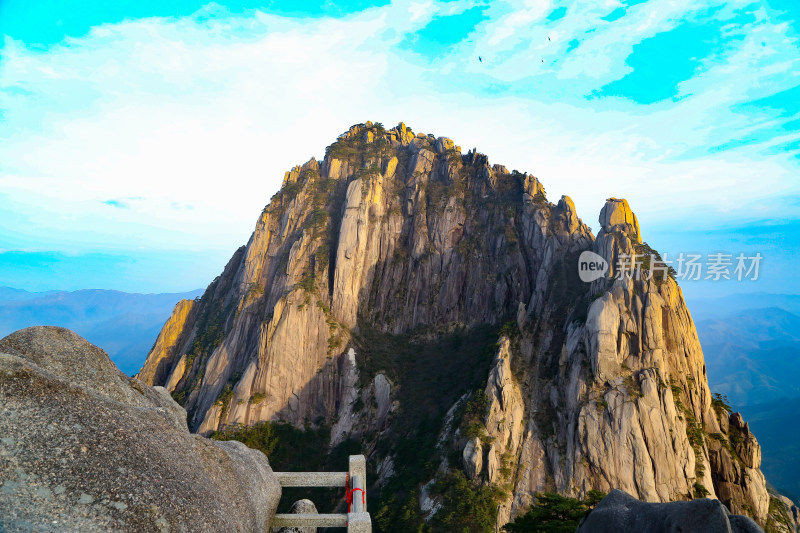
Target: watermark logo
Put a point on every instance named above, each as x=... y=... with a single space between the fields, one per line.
x=687 y=267
x=690 y=267
x=591 y=266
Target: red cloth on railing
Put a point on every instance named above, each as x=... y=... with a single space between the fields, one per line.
x=350 y=498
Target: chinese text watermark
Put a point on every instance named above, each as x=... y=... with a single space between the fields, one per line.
x=688 y=267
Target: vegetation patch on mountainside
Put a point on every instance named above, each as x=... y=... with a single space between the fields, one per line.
x=431 y=374
x=554 y=513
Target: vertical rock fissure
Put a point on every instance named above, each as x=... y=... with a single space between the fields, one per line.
x=336 y=216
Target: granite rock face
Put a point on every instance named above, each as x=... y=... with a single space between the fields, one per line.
x=301 y=507
x=597 y=385
x=621 y=399
x=385 y=229
x=159 y=363
x=620 y=512
x=86 y=448
x=617 y=215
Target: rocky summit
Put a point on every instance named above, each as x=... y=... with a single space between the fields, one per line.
x=425 y=306
x=85 y=448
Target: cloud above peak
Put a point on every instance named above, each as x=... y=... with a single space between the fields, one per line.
x=192 y=119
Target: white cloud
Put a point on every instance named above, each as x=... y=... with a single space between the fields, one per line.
x=208 y=113
x=509 y=25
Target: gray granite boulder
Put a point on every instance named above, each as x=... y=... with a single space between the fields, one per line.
x=300 y=507
x=620 y=512
x=85 y=448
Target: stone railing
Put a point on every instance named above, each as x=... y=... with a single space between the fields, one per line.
x=357 y=519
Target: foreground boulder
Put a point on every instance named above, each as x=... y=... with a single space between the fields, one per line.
x=620 y=512
x=85 y=448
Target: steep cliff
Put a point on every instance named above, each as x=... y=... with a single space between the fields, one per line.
x=403 y=292
x=159 y=361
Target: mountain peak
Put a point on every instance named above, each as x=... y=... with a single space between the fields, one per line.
x=617 y=215
x=385 y=285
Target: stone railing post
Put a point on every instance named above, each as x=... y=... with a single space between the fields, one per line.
x=357 y=519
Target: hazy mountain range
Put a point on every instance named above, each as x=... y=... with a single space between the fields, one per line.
x=751 y=345
x=709 y=308
x=125 y=325
x=752 y=355
x=775 y=424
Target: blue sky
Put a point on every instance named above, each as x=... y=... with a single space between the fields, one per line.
x=140 y=140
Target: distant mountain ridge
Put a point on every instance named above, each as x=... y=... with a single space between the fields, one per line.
x=124 y=324
x=710 y=308
x=775 y=423
x=752 y=355
x=10 y=294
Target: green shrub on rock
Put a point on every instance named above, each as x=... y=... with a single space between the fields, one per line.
x=553 y=513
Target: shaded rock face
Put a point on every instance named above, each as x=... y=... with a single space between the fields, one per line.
x=86 y=448
x=595 y=385
x=619 y=512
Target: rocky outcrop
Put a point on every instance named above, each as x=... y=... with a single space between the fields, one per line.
x=735 y=459
x=619 y=512
x=617 y=215
x=784 y=512
x=363 y=410
x=86 y=448
x=301 y=507
x=504 y=423
x=160 y=363
x=473 y=457
x=626 y=403
x=505 y=418
x=596 y=385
